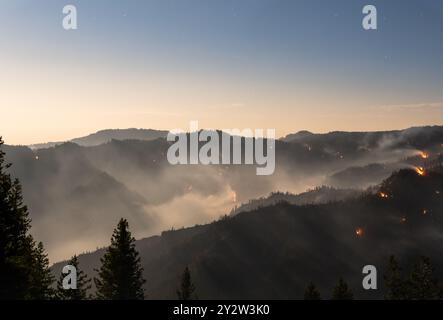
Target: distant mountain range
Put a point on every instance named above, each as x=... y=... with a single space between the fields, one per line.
x=104 y=136
x=76 y=194
x=411 y=136
x=394 y=138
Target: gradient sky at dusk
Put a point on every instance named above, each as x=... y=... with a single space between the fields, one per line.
x=283 y=64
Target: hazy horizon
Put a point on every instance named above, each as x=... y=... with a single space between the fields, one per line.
x=186 y=129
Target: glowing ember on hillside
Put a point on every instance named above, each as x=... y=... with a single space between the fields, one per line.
x=420 y=171
x=359 y=232
x=424 y=155
x=383 y=195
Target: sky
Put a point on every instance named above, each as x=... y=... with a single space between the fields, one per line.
x=285 y=64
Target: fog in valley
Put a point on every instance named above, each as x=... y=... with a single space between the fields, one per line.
x=76 y=192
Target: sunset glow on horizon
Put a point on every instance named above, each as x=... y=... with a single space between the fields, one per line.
x=227 y=64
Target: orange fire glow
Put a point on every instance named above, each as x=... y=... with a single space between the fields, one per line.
x=420 y=171
x=359 y=232
x=424 y=155
x=383 y=195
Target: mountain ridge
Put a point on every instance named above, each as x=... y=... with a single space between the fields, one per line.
x=106 y=135
x=176 y=196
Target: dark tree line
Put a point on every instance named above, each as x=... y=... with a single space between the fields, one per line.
x=419 y=284
x=340 y=292
x=24 y=266
x=83 y=284
x=120 y=276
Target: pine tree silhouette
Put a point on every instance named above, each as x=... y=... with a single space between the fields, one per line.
x=24 y=272
x=311 y=292
x=187 y=288
x=342 y=291
x=83 y=284
x=396 y=286
x=422 y=285
x=121 y=275
x=41 y=276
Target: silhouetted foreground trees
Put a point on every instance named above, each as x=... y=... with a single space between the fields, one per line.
x=121 y=275
x=83 y=284
x=420 y=284
x=312 y=293
x=342 y=291
x=24 y=267
x=187 y=288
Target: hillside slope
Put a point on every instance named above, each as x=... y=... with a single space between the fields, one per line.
x=273 y=252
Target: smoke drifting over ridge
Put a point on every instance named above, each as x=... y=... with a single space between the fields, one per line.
x=76 y=194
